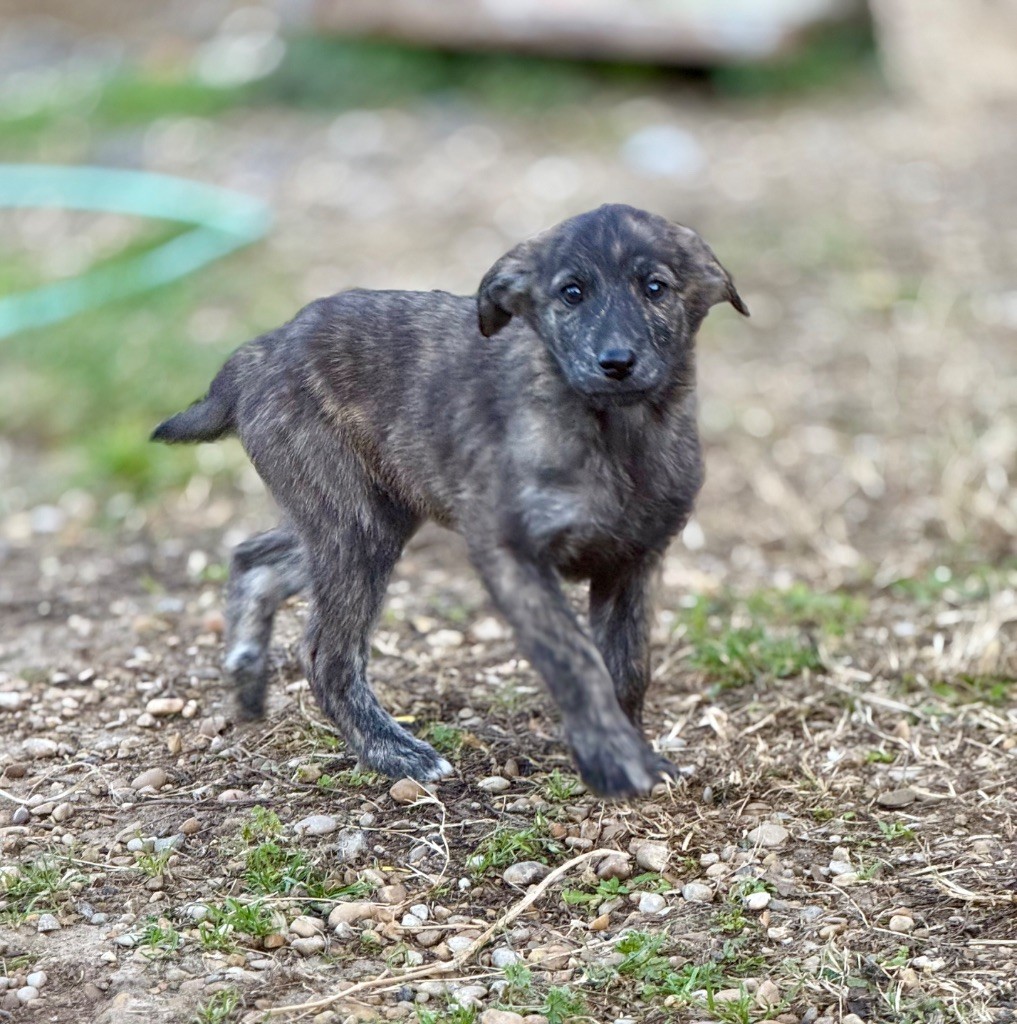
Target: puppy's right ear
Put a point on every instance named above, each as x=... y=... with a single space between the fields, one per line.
x=505 y=290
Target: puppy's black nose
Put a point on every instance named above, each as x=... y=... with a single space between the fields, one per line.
x=617 y=363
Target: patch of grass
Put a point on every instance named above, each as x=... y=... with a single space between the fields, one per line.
x=254 y=918
x=894 y=831
x=453 y=1015
x=152 y=864
x=351 y=778
x=271 y=869
x=879 y=757
x=736 y=657
x=518 y=991
x=610 y=888
x=979 y=689
x=263 y=824
x=956 y=585
x=219 y=1009
x=33 y=886
x=562 y=1005
x=834 y=614
x=769 y=635
x=559 y=787
x=506 y=845
x=736 y=962
x=446 y=739
x=730 y=919
x=645 y=962
x=160 y=938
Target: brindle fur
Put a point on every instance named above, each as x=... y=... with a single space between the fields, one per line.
x=556 y=457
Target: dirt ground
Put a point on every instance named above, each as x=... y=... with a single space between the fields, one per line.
x=835 y=643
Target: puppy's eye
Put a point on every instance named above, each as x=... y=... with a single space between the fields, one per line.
x=572 y=294
x=654 y=289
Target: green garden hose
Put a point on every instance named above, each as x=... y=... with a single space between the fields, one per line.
x=224 y=221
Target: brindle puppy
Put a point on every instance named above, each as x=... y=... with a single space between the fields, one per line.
x=564 y=447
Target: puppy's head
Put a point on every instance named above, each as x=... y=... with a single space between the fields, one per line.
x=616 y=294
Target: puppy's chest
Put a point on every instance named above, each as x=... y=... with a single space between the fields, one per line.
x=607 y=511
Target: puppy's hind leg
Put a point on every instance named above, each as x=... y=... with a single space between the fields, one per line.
x=264 y=571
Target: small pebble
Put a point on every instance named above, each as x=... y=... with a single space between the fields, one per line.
x=28 y=993
x=154 y=777
x=37 y=979
x=897 y=798
x=500 y=1017
x=306 y=926
x=408 y=791
x=309 y=946
x=502 y=957
x=494 y=784
x=163 y=706
x=526 y=872
x=767 y=994
x=36 y=747
x=20 y=816
x=901 y=924
x=615 y=865
x=47 y=923
x=697 y=892
x=316 y=825
x=757 y=901
x=652 y=856
x=651 y=903
x=62 y=811
x=769 y=835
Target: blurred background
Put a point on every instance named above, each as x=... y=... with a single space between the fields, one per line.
x=851 y=164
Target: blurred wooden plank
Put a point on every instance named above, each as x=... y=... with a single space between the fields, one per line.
x=679 y=32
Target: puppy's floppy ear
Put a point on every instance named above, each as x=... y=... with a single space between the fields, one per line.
x=713 y=282
x=505 y=290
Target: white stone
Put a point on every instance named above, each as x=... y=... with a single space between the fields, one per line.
x=163 y=706
x=502 y=957
x=494 y=784
x=769 y=834
x=316 y=825
x=526 y=872
x=306 y=926
x=697 y=892
x=651 y=856
x=37 y=747
x=757 y=900
x=651 y=903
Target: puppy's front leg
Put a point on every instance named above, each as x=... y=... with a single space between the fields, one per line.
x=620 y=620
x=612 y=757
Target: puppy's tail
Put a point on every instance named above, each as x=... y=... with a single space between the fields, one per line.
x=208 y=419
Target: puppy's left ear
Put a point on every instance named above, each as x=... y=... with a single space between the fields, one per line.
x=714 y=283
x=505 y=290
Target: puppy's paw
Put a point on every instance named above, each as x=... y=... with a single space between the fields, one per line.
x=247 y=668
x=402 y=756
x=618 y=764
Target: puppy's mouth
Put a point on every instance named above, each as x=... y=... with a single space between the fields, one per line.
x=618 y=395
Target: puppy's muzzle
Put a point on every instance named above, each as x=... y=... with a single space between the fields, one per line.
x=617 y=363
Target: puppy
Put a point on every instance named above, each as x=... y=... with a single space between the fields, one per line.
x=551 y=420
